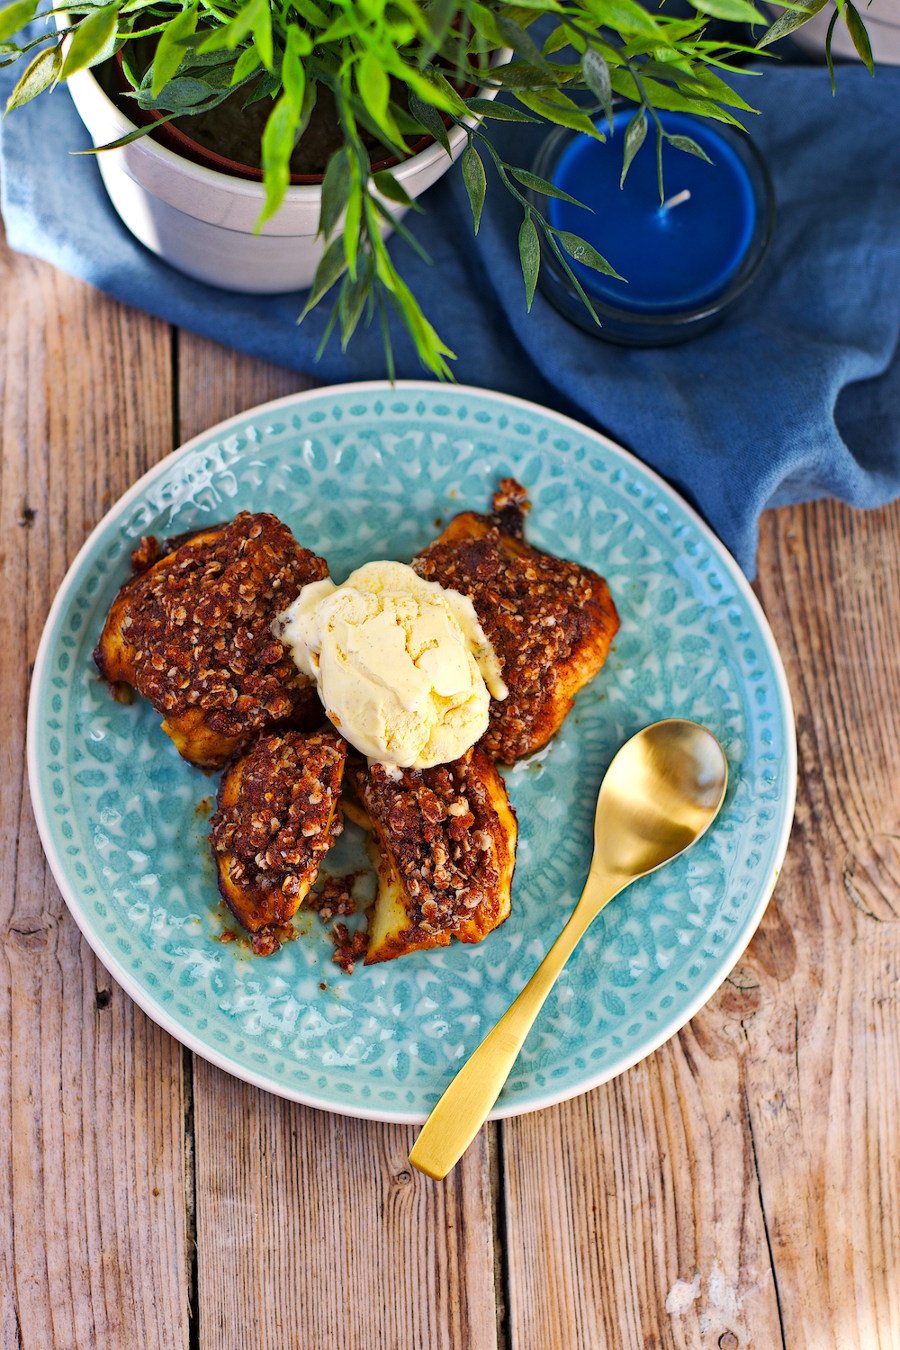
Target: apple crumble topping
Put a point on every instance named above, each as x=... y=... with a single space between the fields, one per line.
x=439 y=824
x=511 y=505
x=538 y=611
x=348 y=947
x=334 y=897
x=284 y=820
x=146 y=554
x=199 y=624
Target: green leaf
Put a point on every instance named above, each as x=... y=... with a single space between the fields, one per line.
x=857 y=30
x=262 y=36
x=267 y=86
x=373 y=85
x=538 y=184
x=216 y=39
x=344 y=26
x=709 y=85
x=427 y=87
x=440 y=16
x=567 y=268
x=562 y=37
x=585 y=253
x=738 y=11
x=335 y=191
x=352 y=220
x=254 y=16
x=527 y=8
x=406 y=125
x=522 y=75
x=430 y=119
x=184 y=94
x=828 y=56
x=500 y=112
x=430 y=347
x=42 y=73
x=278 y=140
x=521 y=41
x=634 y=139
x=293 y=71
x=688 y=146
x=661 y=96
x=14 y=17
x=308 y=10
x=790 y=21
x=386 y=339
x=557 y=108
x=351 y=301
x=530 y=257
x=247 y=63
x=329 y=329
x=134 y=135
x=91 y=39
x=451 y=101
x=329 y=270
x=628 y=18
x=475 y=181
x=388 y=186
x=597 y=79
x=485 y=25
x=170 y=51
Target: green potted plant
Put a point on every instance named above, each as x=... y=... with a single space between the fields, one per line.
x=273 y=144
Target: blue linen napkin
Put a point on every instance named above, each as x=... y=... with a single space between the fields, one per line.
x=795 y=396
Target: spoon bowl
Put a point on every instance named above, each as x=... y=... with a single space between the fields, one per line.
x=662 y=791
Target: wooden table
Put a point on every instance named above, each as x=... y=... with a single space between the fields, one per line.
x=739 y=1188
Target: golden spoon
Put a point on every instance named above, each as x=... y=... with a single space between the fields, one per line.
x=660 y=794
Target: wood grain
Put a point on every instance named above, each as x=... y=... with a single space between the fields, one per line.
x=92 y=1216
x=740 y=1187
x=313 y=1231
x=823 y=1050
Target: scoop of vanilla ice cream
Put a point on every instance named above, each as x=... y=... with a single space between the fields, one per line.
x=403 y=666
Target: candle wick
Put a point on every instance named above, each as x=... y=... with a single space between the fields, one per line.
x=683 y=196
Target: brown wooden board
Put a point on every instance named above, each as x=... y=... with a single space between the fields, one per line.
x=737 y=1189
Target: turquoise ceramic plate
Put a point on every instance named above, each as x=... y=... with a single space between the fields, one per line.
x=364 y=472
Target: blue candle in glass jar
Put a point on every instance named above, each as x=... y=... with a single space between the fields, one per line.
x=685 y=260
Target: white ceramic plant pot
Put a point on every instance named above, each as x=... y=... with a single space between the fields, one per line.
x=882 y=19
x=202 y=221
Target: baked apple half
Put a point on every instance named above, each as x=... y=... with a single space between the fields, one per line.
x=551 y=622
x=445 y=848
x=277 y=817
x=192 y=633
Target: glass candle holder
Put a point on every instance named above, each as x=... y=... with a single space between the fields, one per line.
x=685 y=261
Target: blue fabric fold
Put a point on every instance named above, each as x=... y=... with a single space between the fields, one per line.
x=795 y=396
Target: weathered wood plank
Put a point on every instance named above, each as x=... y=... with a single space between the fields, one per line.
x=739 y=1188
x=823 y=1049
x=638 y=1205
x=92 y=1205
x=312 y=1230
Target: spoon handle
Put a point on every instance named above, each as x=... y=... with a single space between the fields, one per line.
x=466 y=1103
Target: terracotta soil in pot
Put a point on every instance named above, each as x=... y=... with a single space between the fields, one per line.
x=229 y=136
x=235 y=133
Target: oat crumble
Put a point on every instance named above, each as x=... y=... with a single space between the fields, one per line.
x=538 y=611
x=438 y=825
x=283 y=822
x=198 y=625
